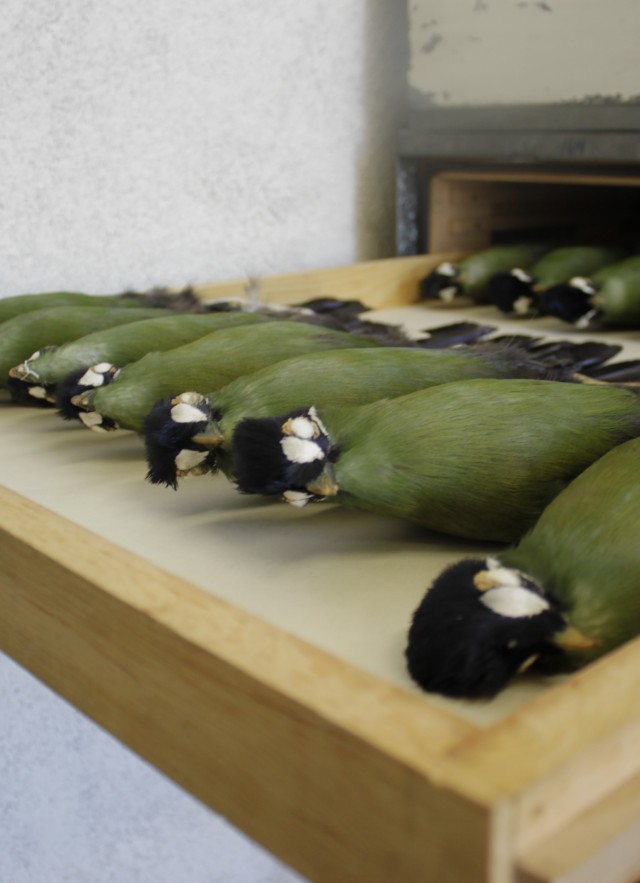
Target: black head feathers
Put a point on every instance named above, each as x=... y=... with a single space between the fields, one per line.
x=571 y=302
x=35 y=395
x=441 y=284
x=512 y=292
x=479 y=625
x=169 y=430
x=274 y=455
x=78 y=381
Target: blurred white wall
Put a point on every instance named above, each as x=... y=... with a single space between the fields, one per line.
x=524 y=51
x=171 y=142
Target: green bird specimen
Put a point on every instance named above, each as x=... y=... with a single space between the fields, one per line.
x=124 y=398
x=610 y=297
x=22 y=337
x=190 y=433
x=566 y=594
x=39 y=375
x=477 y=459
x=160 y=298
x=519 y=291
x=469 y=278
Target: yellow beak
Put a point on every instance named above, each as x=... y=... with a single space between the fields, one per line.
x=325 y=485
x=572 y=639
x=211 y=436
x=84 y=399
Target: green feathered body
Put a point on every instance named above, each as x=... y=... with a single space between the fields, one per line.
x=26 y=303
x=352 y=378
x=128 y=343
x=562 y=264
x=476 y=270
x=27 y=333
x=210 y=363
x=479 y=459
x=585 y=550
x=618 y=293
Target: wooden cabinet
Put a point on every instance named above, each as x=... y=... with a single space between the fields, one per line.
x=254 y=653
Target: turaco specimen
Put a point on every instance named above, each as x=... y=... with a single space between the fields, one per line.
x=519 y=291
x=469 y=277
x=566 y=594
x=24 y=335
x=608 y=298
x=477 y=458
x=123 y=398
x=190 y=433
x=37 y=377
x=158 y=298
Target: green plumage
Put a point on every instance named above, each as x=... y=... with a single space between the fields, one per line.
x=210 y=363
x=572 y=260
x=472 y=274
x=27 y=333
x=617 y=294
x=585 y=550
x=478 y=459
x=26 y=303
x=350 y=378
x=128 y=343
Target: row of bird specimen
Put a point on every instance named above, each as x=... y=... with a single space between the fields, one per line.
x=589 y=286
x=509 y=440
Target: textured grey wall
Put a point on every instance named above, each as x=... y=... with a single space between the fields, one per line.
x=171 y=141
x=168 y=142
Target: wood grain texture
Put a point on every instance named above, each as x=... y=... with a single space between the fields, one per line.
x=334 y=771
x=341 y=773
x=390 y=282
x=602 y=844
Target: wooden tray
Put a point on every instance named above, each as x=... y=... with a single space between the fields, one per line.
x=253 y=652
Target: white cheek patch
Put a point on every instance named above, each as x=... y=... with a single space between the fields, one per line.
x=313 y=414
x=184 y=413
x=582 y=284
x=187 y=460
x=300 y=450
x=95 y=375
x=92 y=420
x=302 y=427
x=446 y=269
x=522 y=305
x=514 y=602
x=38 y=392
x=521 y=275
x=189 y=398
x=296 y=498
x=448 y=294
x=504 y=576
x=585 y=321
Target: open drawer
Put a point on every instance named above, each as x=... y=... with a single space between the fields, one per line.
x=254 y=653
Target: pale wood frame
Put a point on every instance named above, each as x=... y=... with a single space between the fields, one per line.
x=342 y=775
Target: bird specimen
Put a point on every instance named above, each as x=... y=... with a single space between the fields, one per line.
x=469 y=277
x=184 y=300
x=518 y=290
x=36 y=379
x=477 y=458
x=566 y=594
x=122 y=399
x=191 y=432
x=610 y=297
x=25 y=334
